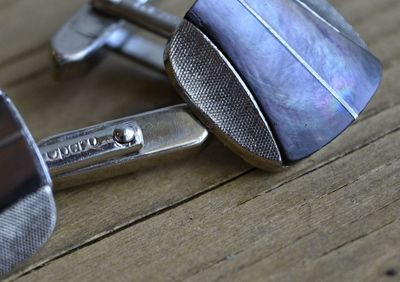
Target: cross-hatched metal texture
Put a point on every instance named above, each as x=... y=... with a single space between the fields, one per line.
x=220 y=98
x=25 y=227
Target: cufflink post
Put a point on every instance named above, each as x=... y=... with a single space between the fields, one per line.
x=83 y=41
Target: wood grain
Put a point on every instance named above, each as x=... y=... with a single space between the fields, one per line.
x=211 y=217
x=248 y=230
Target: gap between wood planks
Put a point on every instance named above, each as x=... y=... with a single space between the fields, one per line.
x=24 y=55
x=297 y=241
x=364 y=235
x=310 y=233
x=119 y=229
x=368 y=214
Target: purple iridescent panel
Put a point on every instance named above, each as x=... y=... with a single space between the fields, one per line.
x=310 y=81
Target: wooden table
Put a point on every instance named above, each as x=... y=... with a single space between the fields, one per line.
x=332 y=217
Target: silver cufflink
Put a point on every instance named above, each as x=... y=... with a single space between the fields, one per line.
x=27 y=208
x=274 y=80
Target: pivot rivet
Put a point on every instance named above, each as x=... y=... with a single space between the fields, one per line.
x=124 y=135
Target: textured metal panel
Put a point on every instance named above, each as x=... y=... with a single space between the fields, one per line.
x=25 y=227
x=219 y=96
x=27 y=209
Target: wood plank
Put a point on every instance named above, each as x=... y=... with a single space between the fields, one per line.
x=28 y=25
x=357 y=206
x=386 y=23
x=58 y=99
x=115 y=89
x=356 y=12
x=248 y=231
x=25 y=68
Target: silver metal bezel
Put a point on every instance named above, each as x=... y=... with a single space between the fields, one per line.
x=226 y=120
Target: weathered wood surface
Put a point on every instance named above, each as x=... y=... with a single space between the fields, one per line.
x=331 y=217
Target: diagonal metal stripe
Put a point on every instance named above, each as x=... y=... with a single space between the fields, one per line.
x=299 y=58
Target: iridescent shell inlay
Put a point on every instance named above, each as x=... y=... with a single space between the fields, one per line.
x=310 y=80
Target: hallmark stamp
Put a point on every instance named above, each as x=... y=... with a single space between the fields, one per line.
x=73 y=149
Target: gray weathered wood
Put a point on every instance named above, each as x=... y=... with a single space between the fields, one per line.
x=249 y=231
x=211 y=217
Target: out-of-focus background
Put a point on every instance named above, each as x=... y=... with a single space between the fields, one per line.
x=332 y=217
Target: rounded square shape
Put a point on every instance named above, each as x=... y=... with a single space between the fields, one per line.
x=307 y=71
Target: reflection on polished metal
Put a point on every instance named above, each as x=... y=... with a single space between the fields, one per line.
x=121 y=146
x=81 y=148
x=27 y=208
x=140 y=14
x=124 y=135
x=275 y=80
x=79 y=44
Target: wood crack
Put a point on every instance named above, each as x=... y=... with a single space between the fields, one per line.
x=328 y=162
x=23 y=55
x=38 y=73
x=226 y=258
x=118 y=229
x=358 y=238
x=298 y=239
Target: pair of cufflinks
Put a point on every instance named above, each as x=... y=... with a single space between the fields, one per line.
x=275 y=81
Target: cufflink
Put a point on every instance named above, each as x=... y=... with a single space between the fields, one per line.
x=275 y=81
x=27 y=206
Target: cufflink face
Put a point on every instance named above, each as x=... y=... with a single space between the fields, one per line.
x=27 y=208
x=275 y=80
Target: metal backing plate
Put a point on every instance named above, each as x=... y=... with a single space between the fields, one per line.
x=309 y=79
x=219 y=97
x=25 y=227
